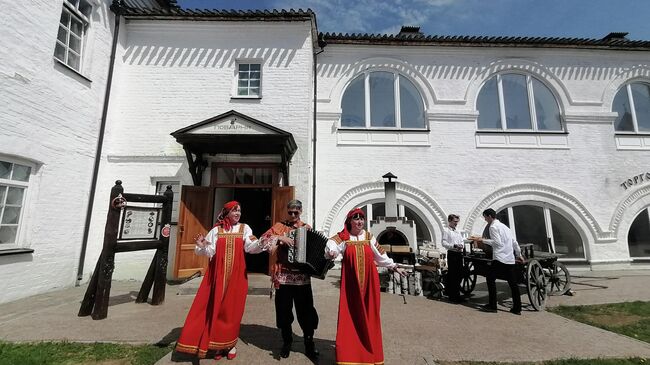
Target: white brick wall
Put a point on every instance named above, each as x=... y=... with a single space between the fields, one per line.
x=171 y=74
x=50 y=117
x=453 y=171
x=174 y=74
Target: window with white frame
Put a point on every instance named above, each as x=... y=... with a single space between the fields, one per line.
x=632 y=104
x=517 y=102
x=14 y=182
x=249 y=79
x=638 y=238
x=545 y=228
x=161 y=187
x=382 y=99
x=73 y=26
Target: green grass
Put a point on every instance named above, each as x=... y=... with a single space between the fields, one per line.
x=69 y=353
x=630 y=318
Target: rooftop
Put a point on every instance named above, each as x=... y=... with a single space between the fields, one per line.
x=408 y=35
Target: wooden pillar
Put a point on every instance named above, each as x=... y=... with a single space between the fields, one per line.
x=98 y=291
x=157 y=273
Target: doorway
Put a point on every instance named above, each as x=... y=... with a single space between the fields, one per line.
x=256 y=212
x=262 y=200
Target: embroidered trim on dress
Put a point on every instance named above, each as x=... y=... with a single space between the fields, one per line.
x=229 y=256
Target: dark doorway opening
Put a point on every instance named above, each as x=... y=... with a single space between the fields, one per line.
x=256 y=212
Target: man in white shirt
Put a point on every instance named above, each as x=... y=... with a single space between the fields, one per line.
x=505 y=251
x=452 y=240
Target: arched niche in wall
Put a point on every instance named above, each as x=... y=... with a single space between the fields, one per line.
x=541 y=195
x=418 y=201
x=627 y=215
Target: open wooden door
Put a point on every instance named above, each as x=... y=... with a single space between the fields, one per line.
x=195 y=216
x=281 y=195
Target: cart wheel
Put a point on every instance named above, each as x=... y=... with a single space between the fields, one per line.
x=558 y=280
x=536 y=283
x=468 y=278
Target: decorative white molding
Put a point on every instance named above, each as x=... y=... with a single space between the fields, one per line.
x=536 y=69
x=387 y=64
x=328 y=116
x=549 y=193
x=523 y=140
x=591 y=118
x=395 y=137
x=353 y=192
x=426 y=203
x=623 y=206
x=640 y=73
x=144 y=159
x=632 y=142
x=453 y=117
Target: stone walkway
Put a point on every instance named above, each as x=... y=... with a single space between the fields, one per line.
x=418 y=332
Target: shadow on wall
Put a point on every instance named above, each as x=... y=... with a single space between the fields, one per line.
x=169 y=56
x=461 y=72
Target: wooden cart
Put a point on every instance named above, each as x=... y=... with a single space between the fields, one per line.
x=541 y=273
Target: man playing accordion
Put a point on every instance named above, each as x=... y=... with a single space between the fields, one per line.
x=291 y=283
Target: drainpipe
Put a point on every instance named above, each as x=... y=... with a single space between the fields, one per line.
x=98 y=153
x=322 y=45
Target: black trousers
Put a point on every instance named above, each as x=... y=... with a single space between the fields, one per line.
x=507 y=271
x=302 y=296
x=454 y=268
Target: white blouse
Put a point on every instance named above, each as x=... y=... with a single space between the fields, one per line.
x=333 y=249
x=250 y=245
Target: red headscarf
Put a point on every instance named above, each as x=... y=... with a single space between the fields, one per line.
x=345 y=233
x=222 y=218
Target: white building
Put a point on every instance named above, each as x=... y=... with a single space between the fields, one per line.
x=554 y=134
x=53 y=75
x=538 y=129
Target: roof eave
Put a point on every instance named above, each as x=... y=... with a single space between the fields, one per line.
x=420 y=43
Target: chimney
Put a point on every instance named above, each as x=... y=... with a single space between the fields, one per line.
x=408 y=30
x=391 y=195
x=615 y=36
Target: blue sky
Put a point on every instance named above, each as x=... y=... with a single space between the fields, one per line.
x=538 y=18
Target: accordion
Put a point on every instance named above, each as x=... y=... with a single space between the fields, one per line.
x=308 y=252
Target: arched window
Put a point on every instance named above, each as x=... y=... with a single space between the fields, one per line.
x=517 y=102
x=545 y=228
x=638 y=238
x=632 y=103
x=382 y=99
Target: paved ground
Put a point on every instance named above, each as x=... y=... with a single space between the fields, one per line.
x=418 y=332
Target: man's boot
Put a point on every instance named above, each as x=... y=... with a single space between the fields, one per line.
x=287 y=340
x=310 y=347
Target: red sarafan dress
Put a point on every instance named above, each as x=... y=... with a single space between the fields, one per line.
x=214 y=319
x=358 y=335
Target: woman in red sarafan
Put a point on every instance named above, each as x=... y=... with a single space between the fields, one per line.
x=213 y=321
x=358 y=334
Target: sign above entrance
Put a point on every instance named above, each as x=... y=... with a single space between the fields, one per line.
x=231 y=125
x=232 y=133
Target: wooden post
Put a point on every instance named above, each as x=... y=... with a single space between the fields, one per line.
x=99 y=288
x=160 y=280
x=157 y=273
